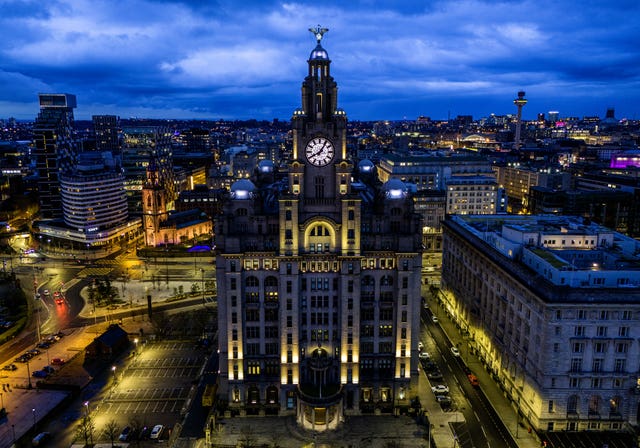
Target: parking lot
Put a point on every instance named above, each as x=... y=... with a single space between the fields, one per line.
x=152 y=387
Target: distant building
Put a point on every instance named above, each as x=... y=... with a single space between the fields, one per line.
x=142 y=144
x=163 y=226
x=107 y=131
x=473 y=195
x=552 y=308
x=430 y=172
x=518 y=180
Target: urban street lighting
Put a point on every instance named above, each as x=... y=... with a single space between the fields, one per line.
x=34 y=419
x=88 y=423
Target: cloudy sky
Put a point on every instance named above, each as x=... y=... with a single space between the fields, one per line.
x=392 y=59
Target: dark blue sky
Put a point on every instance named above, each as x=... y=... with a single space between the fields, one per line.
x=391 y=59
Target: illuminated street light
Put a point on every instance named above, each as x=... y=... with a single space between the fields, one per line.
x=34 y=419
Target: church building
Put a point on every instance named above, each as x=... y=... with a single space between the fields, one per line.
x=318 y=278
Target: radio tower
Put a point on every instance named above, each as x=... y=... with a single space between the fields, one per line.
x=520 y=102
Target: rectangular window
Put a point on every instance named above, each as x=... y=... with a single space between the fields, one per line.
x=578 y=331
x=576 y=364
x=623 y=332
x=601 y=331
x=550 y=407
x=620 y=365
x=597 y=365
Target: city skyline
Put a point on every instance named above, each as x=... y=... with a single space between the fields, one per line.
x=393 y=61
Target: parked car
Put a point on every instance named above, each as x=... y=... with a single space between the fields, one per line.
x=156 y=432
x=10 y=367
x=57 y=361
x=41 y=439
x=125 y=434
x=48 y=369
x=444 y=400
x=436 y=375
x=434 y=319
x=473 y=380
x=440 y=389
x=420 y=345
x=424 y=355
x=46 y=292
x=39 y=374
x=455 y=351
x=430 y=366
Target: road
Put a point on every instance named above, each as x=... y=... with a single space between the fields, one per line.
x=482 y=427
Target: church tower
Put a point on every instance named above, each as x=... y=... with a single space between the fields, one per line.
x=154 y=204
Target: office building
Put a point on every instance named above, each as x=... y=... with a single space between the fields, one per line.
x=318 y=281
x=54 y=148
x=551 y=306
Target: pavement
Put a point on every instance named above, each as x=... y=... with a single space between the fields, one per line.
x=498 y=399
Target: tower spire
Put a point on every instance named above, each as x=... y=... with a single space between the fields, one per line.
x=318 y=32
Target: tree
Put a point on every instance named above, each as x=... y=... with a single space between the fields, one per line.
x=111 y=430
x=136 y=426
x=86 y=429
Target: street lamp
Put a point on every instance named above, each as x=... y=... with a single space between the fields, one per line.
x=28 y=374
x=115 y=378
x=135 y=341
x=87 y=426
x=34 y=419
x=203 y=296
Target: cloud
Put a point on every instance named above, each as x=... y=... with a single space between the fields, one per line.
x=390 y=59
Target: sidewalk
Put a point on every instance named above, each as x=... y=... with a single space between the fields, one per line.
x=496 y=396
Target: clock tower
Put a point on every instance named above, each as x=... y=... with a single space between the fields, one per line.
x=319 y=133
x=319 y=281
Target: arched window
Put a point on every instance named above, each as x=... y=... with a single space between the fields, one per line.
x=594 y=405
x=271 y=281
x=386 y=280
x=367 y=280
x=614 y=405
x=252 y=282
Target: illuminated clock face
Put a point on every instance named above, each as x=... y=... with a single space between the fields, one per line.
x=320 y=151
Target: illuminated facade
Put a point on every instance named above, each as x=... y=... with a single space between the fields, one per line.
x=318 y=280
x=551 y=307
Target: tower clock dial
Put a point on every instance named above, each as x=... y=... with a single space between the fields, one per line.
x=320 y=151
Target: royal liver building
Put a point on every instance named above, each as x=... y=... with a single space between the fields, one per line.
x=318 y=273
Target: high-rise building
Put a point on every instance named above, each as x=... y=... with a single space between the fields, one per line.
x=318 y=278
x=53 y=138
x=551 y=306
x=107 y=130
x=143 y=145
